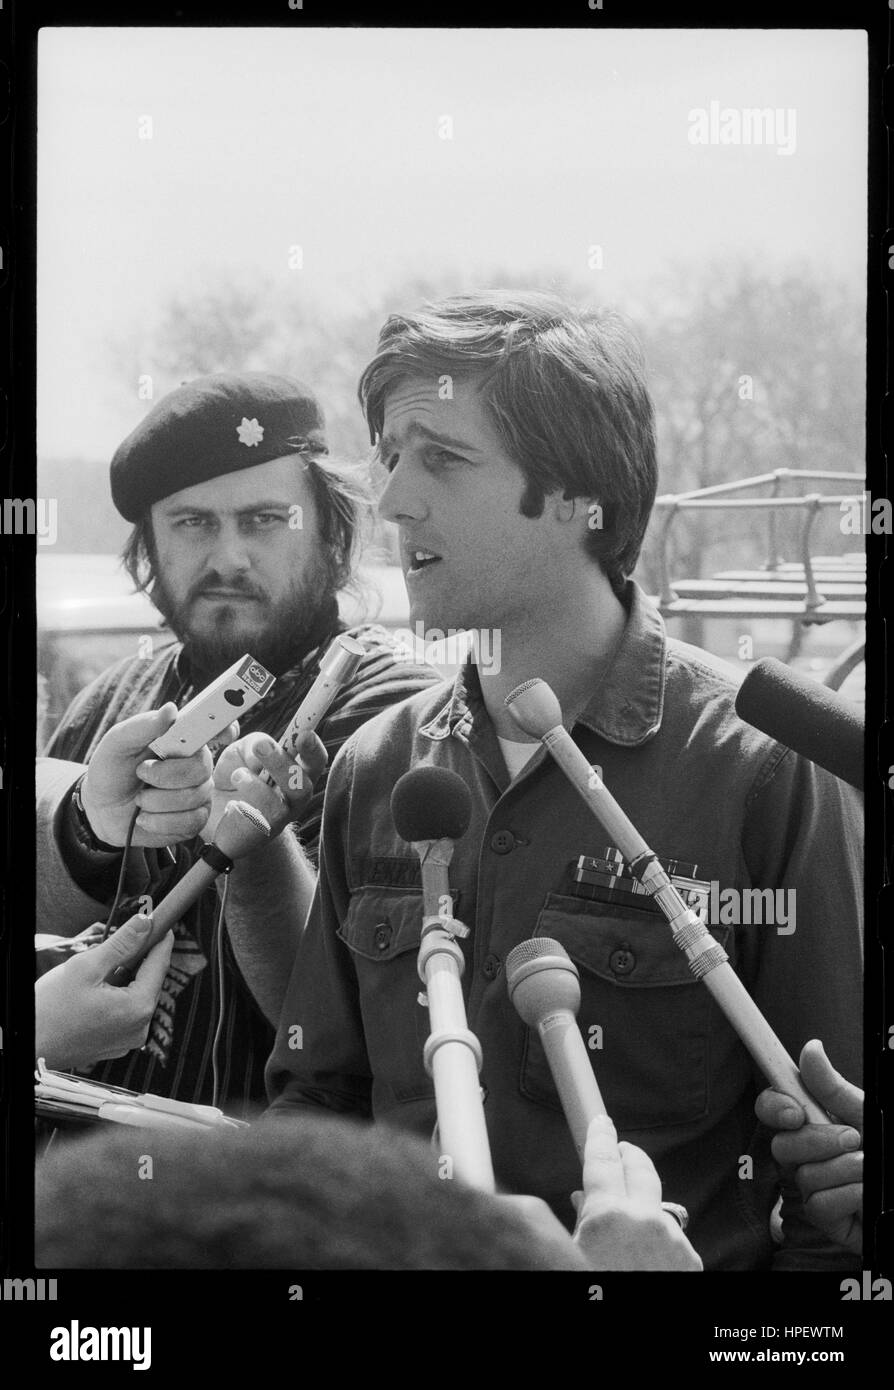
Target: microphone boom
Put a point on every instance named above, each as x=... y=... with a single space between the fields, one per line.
x=535 y=709
x=431 y=807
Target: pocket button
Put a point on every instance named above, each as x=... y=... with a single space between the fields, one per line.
x=622 y=961
x=382 y=936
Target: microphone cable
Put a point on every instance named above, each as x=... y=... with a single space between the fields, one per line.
x=217 y=948
x=119 y=891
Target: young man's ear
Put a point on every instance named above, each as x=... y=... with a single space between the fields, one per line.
x=567 y=507
x=564 y=505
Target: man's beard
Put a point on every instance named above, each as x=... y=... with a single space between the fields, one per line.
x=278 y=637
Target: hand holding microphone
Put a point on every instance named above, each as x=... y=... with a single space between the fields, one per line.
x=255 y=767
x=283 y=794
x=621 y=1223
x=827 y=1159
x=337 y=666
x=81 y=1017
x=172 y=795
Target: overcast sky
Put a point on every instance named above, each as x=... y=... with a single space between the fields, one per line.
x=262 y=139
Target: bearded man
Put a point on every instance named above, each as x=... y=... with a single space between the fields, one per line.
x=244 y=533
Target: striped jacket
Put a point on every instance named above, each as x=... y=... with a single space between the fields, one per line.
x=189 y=1009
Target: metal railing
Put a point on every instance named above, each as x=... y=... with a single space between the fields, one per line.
x=814 y=591
x=717 y=498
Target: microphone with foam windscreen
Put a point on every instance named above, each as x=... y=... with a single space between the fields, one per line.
x=431 y=807
x=534 y=707
x=804 y=715
x=544 y=986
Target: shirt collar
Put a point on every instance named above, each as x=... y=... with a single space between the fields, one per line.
x=462 y=704
x=625 y=708
x=181 y=666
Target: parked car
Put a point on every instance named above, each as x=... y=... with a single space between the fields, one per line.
x=88 y=617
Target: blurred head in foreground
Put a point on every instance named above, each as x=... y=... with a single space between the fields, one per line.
x=313 y=1193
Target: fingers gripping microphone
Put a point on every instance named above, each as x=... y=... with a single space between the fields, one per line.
x=544 y=986
x=805 y=716
x=535 y=709
x=337 y=667
x=431 y=807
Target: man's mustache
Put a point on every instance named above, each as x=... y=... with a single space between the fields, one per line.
x=214 y=585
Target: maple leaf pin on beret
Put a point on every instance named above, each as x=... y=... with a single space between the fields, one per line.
x=250 y=432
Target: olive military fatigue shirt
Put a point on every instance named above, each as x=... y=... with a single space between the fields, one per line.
x=701 y=786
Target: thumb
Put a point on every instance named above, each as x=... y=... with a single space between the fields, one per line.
x=133 y=734
x=839 y=1097
x=128 y=942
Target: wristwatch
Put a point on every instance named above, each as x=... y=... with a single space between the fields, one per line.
x=82 y=827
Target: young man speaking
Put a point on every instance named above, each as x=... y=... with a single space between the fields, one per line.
x=507 y=426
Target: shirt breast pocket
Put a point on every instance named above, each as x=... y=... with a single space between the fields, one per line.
x=381 y=929
x=644 y=1019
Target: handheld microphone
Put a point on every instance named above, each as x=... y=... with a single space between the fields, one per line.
x=431 y=807
x=544 y=986
x=336 y=668
x=534 y=707
x=207 y=714
x=240 y=830
x=806 y=716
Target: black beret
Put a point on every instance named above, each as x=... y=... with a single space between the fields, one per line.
x=213 y=425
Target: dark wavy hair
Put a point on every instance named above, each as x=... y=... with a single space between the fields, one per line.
x=344 y=503
x=565 y=390
x=317 y=1193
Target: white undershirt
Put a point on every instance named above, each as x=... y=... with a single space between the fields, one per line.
x=516 y=755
